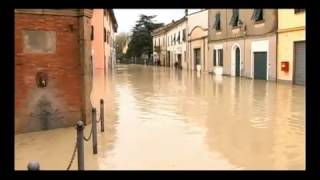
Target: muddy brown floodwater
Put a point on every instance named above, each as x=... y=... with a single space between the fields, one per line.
x=160 y=118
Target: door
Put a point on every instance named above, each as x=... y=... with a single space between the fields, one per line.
x=179 y=60
x=237 y=54
x=196 y=57
x=300 y=63
x=260 y=65
x=168 y=57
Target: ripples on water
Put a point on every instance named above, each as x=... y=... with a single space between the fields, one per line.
x=159 y=118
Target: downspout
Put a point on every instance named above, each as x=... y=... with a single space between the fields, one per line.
x=204 y=60
x=276 y=28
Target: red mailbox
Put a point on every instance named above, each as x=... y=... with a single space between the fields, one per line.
x=285 y=66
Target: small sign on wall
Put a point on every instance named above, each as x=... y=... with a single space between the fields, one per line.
x=39 y=41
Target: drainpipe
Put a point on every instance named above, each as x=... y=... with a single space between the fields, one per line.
x=276 y=16
x=204 y=49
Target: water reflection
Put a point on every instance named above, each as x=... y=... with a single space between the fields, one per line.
x=161 y=118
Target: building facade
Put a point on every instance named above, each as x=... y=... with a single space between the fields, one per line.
x=159 y=46
x=53 y=70
x=242 y=42
x=197 y=46
x=103 y=27
x=291 y=46
x=176 y=42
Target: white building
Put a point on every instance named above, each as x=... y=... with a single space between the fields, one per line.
x=177 y=42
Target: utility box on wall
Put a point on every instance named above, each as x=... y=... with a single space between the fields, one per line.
x=285 y=66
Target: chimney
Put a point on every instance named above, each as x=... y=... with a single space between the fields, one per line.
x=186 y=12
x=172 y=21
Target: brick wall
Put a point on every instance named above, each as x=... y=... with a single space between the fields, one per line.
x=61 y=99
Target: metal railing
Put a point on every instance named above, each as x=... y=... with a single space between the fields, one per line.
x=79 y=145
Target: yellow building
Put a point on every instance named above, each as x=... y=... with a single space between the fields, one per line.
x=291 y=46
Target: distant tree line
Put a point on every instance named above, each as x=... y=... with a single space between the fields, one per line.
x=140 y=45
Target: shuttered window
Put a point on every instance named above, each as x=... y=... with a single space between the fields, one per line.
x=184 y=35
x=220 y=52
x=257 y=15
x=235 y=18
x=217 y=24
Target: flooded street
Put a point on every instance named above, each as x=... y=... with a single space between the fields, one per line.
x=160 y=118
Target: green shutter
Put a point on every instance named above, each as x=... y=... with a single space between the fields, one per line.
x=217 y=22
x=257 y=14
x=235 y=17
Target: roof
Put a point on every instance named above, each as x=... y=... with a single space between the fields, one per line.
x=168 y=26
x=113 y=18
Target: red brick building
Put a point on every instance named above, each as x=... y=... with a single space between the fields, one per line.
x=53 y=68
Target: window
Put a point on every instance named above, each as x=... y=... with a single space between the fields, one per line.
x=298 y=11
x=218 y=57
x=235 y=18
x=174 y=39
x=105 y=34
x=217 y=24
x=257 y=15
x=178 y=37
x=92 y=33
x=184 y=35
x=108 y=37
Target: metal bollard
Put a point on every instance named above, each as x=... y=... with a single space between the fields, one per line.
x=102 y=114
x=94 y=131
x=33 y=166
x=80 y=149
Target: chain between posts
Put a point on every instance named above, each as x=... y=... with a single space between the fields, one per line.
x=87 y=139
x=72 y=157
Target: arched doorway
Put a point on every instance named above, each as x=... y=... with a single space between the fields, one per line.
x=237 y=59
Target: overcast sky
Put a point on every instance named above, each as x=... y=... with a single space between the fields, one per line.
x=126 y=18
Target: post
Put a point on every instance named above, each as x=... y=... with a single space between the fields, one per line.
x=102 y=114
x=80 y=148
x=94 y=131
x=33 y=166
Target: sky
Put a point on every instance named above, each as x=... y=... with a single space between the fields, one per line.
x=126 y=18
